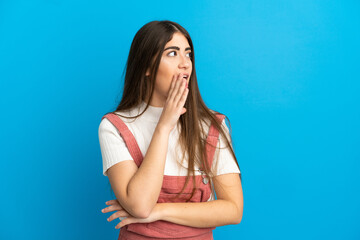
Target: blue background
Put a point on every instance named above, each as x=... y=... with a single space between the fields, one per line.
x=286 y=73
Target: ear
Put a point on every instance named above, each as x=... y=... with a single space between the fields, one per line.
x=147 y=72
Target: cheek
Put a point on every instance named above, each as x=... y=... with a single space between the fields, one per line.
x=164 y=77
x=162 y=85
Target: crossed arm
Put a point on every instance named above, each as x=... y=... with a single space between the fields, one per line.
x=137 y=190
x=227 y=209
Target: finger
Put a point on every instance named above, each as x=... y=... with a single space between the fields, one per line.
x=184 y=97
x=181 y=83
x=111 y=208
x=172 y=86
x=179 y=93
x=110 y=202
x=175 y=84
x=117 y=215
x=125 y=222
x=176 y=88
x=115 y=203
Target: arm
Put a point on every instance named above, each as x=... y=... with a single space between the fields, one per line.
x=227 y=209
x=137 y=189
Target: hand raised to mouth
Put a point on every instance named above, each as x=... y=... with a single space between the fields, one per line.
x=174 y=105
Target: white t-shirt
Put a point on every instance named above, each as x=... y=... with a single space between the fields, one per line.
x=114 y=150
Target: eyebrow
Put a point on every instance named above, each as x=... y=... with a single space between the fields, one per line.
x=177 y=48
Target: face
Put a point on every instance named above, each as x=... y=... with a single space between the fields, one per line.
x=175 y=59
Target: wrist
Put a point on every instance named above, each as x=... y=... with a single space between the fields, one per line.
x=162 y=129
x=160 y=211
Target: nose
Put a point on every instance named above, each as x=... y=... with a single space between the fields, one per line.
x=184 y=62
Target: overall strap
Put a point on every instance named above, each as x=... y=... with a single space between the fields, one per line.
x=128 y=137
x=211 y=141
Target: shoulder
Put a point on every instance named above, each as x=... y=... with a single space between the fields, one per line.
x=106 y=122
x=207 y=124
x=219 y=116
x=106 y=129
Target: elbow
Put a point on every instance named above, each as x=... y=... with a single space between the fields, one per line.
x=239 y=214
x=141 y=213
x=139 y=206
x=136 y=209
x=141 y=209
x=238 y=219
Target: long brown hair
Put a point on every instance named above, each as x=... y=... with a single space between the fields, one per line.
x=146 y=52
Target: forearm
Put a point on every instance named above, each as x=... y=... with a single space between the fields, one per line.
x=203 y=214
x=145 y=186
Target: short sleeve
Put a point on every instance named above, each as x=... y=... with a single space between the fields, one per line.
x=223 y=161
x=112 y=145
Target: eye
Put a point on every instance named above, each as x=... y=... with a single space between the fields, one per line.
x=169 y=54
x=175 y=53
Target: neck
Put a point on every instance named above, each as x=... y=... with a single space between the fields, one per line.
x=156 y=102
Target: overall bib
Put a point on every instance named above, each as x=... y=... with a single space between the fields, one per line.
x=170 y=187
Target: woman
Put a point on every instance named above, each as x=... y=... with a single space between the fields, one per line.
x=165 y=153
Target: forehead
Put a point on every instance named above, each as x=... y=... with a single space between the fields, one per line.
x=179 y=40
